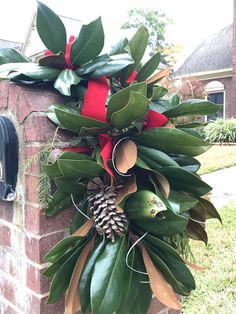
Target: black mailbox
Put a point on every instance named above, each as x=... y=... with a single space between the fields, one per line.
x=8 y=159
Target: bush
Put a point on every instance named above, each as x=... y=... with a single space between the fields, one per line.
x=221 y=131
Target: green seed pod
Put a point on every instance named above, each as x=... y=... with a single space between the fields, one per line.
x=144 y=204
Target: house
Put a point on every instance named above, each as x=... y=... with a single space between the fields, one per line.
x=213 y=64
x=10 y=44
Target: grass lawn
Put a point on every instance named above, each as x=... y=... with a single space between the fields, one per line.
x=216 y=286
x=217 y=157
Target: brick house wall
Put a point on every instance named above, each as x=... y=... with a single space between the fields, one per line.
x=230 y=95
x=26 y=234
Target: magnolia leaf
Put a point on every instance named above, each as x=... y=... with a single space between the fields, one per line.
x=65 y=80
x=158 y=92
x=210 y=209
x=148 y=68
x=59 y=202
x=54 y=61
x=112 y=67
x=187 y=162
x=158 y=76
x=93 y=65
x=72 y=302
x=71 y=119
x=50 y=28
x=137 y=47
x=194 y=266
x=172 y=141
x=106 y=285
x=166 y=224
x=144 y=204
x=128 y=187
x=86 y=277
x=159 y=285
x=61 y=247
x=88 y=44
x=184 y=180
x=83 y=230
x=125 y=155
x=136 y=108
x=181 y=202
x=193 y=107
x=120 y=99
x=79 y=168
x=11 y=55
x=119 y=47
x=195 y=231
x=68 y=185
x=159 y=179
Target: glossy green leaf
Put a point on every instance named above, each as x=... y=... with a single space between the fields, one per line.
x=50 y=28
x=157 y=156
x=172 y=275
x=73 y=121
x=144 y=293
x=55 y=266
x=40 y=72
x=165 y=224
x=173 y=141
x=119 y=46
x=93 y=65
x=61 y=280
x=64 y=81
x=86 y=277
x=113 y=66
x=61 y=247
x=120 y=99
x=130 y=292
x=11 y=55
x=180 y=201
x=52 y=170
x=107 y=285
x=59 y=202
x=137 y=47
x=158 y=92
x=88 y=44
x=193 y=107
x=68 y=185
x=54 y=61
x=78 y=219
x=187 y=162
x=136 y=107
x=148 y=68
x=184 y=180
x=79 y=168
x=160 y=105
x=174 y=100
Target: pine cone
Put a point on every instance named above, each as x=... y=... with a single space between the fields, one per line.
x=108 y=221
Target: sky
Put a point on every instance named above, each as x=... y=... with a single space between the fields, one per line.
x=192 y=20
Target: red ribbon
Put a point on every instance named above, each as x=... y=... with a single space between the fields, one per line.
x=67 y=53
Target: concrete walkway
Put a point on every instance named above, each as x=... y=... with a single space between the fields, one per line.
x=223 y=183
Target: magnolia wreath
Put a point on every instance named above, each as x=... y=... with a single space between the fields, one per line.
x=129 y=171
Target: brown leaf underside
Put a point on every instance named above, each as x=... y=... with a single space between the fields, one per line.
x=83 y=230
x=162 y=290
x=126 y=156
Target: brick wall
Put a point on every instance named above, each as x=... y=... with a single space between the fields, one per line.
x=25 y=233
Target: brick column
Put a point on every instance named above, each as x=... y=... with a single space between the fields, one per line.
x=26 y=235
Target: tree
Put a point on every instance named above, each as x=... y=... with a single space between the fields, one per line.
x=155 y=21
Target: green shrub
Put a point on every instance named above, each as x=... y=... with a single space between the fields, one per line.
x=221 y=131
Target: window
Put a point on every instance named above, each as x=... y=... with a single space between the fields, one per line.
x=217 y=98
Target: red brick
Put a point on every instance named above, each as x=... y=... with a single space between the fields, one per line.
x=10 y=263
x=57 y=308
x=6 y=308
x=14 y=93
x=6 y=211
x=37 y=223
x=36 y=100
x=36 y=249
x=36 y=281
x=5 y=235
x=38 y=128
x=4 y=89
x=31 y=188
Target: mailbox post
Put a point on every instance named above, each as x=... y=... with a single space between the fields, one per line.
x=8 y=159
